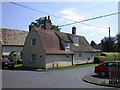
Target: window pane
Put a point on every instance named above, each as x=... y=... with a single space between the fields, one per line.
x=80 y=55
x=67 y=45
x=33 y=57
x=33 y=41
x=75 y=41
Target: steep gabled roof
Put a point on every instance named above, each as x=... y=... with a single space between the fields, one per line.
x=12 y=37
x=83 y=44
x=51 y=42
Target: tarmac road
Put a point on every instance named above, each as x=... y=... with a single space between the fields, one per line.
x=47 y=79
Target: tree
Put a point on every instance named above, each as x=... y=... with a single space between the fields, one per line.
x=107 y=44
x=117 y=44
x=40 y=23
x=93 y=43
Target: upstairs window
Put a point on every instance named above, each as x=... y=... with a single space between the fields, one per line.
x=76 y=41
x=67 y=45
x=33 y=42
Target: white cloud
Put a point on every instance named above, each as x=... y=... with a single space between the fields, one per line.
x=71 y=14
x=94 y=30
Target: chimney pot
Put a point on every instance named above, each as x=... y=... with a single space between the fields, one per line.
x=48 y=17
x=73 y=30
x=47 y=23
x=30 y=27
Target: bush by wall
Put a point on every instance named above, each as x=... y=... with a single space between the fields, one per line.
x=107 y=56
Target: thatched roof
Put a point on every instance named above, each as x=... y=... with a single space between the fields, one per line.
x=12 y=37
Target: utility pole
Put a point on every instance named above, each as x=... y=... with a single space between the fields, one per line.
x=109 y=40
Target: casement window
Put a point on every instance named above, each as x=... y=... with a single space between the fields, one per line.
x=76 y=41
x=33 y=42
x=80 y=55
x=33 y=58
x=67 y=45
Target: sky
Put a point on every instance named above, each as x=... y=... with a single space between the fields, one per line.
x=16 y=17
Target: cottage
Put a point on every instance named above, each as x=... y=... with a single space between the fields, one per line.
x=11 y=40
x=48 y=48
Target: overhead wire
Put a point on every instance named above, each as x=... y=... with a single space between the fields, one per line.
x=90 y=19
x=74 y=22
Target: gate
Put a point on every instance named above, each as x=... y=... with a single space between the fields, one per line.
x=114 y=76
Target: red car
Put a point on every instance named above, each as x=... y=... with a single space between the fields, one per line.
x=103 y=69
x=6 y=63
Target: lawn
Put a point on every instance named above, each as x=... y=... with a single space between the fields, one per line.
x=20 y=67
x=70 y=67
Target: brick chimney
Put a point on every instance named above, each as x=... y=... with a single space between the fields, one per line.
x=73 y=30
x=47 y=23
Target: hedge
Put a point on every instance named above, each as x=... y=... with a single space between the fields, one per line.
x=108 y=56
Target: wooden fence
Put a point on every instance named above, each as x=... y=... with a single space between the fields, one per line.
x=114 y=76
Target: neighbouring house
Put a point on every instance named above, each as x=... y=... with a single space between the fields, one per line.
x=48 y=48
x=11 y=40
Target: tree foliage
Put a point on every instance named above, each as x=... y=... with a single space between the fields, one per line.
x=40 y=23
x=107 y=44
x=92 y=43
x=117 y=44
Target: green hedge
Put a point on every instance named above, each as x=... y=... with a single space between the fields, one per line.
x=108 y=56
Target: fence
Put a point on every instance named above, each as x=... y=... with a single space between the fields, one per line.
x=114 y=76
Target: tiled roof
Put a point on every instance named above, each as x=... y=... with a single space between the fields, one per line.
x=12 y=37
x=83 y=44
x=51 y=42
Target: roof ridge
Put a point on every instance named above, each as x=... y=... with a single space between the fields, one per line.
x=12 y=29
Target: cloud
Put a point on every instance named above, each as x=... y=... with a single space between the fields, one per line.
x=97 y=30
x=71 y=14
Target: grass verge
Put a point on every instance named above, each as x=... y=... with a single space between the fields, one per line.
x=69 y=67
x=20 y=67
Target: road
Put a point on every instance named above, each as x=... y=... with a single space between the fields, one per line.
x=47 y=79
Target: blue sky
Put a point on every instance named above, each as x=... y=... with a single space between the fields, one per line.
x=16 y=17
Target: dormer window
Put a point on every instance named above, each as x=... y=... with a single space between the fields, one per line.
x=67 y=45
x=76 y=41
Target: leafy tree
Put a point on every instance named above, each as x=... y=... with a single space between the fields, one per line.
x=117 y=44
x=107 y=44
x=93 y=43
x=40 y=23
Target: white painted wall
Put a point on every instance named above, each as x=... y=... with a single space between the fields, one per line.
x=29 y=49
x=84 y=58
x=62 y=60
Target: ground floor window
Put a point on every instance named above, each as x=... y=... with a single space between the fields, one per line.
x=80 y=55
x=33 y=58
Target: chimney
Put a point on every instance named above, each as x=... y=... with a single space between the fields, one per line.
x=30 y=27
x=73 y=30
x=47 y=23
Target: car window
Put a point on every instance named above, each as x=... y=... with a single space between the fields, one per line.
x=109 y=64
x=5 y=59
x=116 y=64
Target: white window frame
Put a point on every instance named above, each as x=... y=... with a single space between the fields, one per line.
x=34 y=58
x=32 y=42
x=80 y=55
x=67 y=45
x=76 y=41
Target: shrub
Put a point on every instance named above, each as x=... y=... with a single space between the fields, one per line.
x=107 y=56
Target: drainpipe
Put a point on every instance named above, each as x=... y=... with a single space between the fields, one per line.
x=72 y=59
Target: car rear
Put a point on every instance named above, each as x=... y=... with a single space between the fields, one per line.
x=7 y=63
